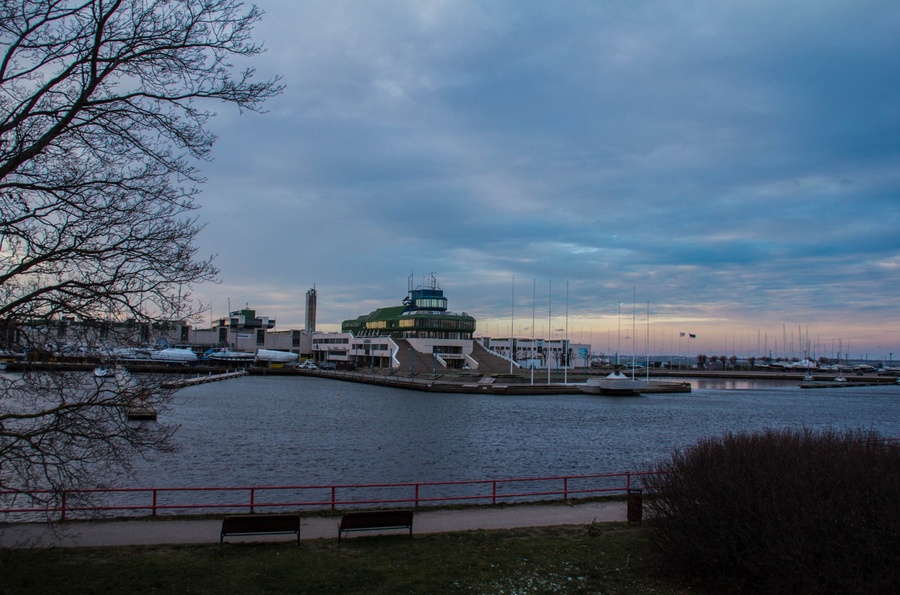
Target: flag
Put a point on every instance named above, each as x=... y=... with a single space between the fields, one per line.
x=693 y=336
x=682 y=334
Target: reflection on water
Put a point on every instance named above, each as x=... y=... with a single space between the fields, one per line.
x=311 y=431
x=741 y=384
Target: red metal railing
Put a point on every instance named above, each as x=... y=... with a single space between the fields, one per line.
x=44 y=504
x=154 y=501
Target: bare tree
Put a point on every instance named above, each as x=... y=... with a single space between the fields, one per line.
x=104 y=106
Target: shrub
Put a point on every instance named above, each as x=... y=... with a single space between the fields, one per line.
x=781 y=511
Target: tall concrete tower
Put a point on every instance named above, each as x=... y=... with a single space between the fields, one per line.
x=311 y=310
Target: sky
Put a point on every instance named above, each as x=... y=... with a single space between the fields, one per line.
x=724 y=169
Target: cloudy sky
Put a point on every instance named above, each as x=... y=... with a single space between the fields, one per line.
x=735 y=165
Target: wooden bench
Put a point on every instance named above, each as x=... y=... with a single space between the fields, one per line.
x=260 y=524
x=374 y=520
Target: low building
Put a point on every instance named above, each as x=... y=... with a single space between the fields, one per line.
x=540 y=353
x=242 y=330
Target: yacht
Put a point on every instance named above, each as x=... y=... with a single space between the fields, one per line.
x=273 y=355
x=227 y=355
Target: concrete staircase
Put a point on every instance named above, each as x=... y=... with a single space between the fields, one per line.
x=489 y=363
x=423 y=363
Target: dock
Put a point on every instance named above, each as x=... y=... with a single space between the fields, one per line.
x=833 y=384
x=183 y=382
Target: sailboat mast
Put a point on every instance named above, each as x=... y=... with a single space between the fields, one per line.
x=633 y=328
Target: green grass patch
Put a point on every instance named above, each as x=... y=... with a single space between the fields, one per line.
x=598 y=558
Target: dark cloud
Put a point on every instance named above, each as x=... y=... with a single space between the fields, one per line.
x=735 y=164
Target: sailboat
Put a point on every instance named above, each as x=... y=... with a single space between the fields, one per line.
x=617 y=383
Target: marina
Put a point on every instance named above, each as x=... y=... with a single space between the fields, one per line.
x=285 y=430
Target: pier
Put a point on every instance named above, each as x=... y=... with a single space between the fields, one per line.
x=183 y=382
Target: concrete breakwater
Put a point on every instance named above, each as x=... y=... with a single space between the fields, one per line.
x=467 y=383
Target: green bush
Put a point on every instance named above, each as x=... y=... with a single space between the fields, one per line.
x=781 y=511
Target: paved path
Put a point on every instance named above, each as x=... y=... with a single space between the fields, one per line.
x=161 y=531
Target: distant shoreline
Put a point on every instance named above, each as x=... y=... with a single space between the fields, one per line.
x=468 y=381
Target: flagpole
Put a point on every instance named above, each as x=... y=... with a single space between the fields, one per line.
x=633 y=329
x=566 y=344
x=533 y=294
x=512 y=325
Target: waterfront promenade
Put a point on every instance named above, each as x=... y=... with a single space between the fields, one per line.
x=206 y=530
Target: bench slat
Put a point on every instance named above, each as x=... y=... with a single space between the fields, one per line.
x=374 y=520
x=270 y=524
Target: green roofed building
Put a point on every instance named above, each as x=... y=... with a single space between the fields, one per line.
x=421 y=328
x=423 y=315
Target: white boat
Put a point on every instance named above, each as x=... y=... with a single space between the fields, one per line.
x=2 y=366
x=227 y=355
x=128 y=353
x=275 y=356
x=174 y=354
x=102 y=372
x=617 y=384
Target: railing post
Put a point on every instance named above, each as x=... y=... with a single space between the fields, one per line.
x=333 y=489
x=565 y=489
x=417 y=495
x=493 y=491
x=252 y=499
x=627 y=481
x=62 y=516
x=154 y=501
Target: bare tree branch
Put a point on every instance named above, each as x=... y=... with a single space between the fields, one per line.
x=104 y=106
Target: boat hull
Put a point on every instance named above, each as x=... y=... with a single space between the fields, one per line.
x=619 y=387
x=270 y=355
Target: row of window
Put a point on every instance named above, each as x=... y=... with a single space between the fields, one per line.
x=435 y=335
x=447 y=349
x=333 y=340
x=372 y=346
x=432 y=303
x=437 y=323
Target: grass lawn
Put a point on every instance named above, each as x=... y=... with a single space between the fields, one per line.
x=598 y=558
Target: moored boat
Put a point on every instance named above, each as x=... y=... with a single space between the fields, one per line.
x=275 y=356
x=615 y=384
x=174 y=354
x=227 y=355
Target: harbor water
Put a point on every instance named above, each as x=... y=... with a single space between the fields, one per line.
x=315 y=431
